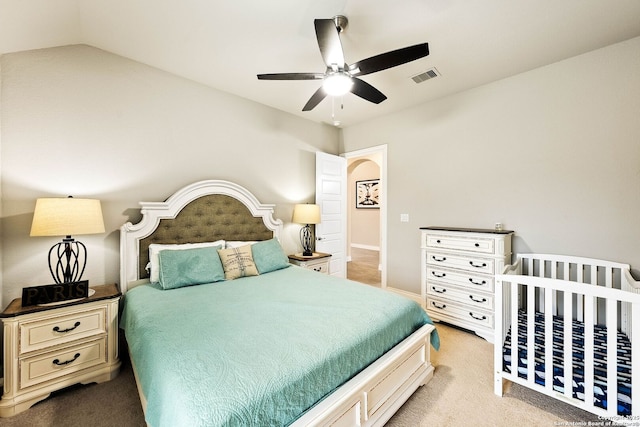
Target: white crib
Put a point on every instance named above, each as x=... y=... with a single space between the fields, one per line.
x=592 y=308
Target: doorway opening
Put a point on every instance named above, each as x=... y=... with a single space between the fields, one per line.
x=366 y=222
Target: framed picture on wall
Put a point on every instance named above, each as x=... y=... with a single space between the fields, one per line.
x=368 y=194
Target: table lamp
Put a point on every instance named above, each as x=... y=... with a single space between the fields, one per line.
x=67 y=217
x=306 y=214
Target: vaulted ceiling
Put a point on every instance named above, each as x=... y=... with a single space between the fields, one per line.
x=224 y=44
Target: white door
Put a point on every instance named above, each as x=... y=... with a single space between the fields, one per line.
x=331 y=196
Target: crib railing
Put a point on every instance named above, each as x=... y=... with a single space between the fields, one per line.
x=560 y=286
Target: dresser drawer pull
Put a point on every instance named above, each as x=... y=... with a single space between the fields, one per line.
x=438 y=241
x=433 y=303
x=484 y=264
x=435 y=258
x=439 y=275
x=317 y=269
x=476 y=317
x=63 y=331
x=440 y=291
x=484 y=282
x=477 y=300
x=477 y=245
x=66 y=362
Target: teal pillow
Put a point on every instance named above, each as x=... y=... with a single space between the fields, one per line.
x=268 y=256
x=190 y=267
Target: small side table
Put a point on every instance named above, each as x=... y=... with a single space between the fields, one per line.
x=47 y=348
x=317 y=262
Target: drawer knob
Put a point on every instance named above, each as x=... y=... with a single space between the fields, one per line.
x=440 y=291
x=441 y=306
x=435 y=258
x=438 y=275
x=438 y=241
x=62 y=331
x=477 y=300
x=66 y=362
x=477 y=317
x=477 y=245
x=473 y=264
x=484 y=282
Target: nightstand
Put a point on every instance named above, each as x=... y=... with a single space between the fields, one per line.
x=47 y=348
x=317 y=262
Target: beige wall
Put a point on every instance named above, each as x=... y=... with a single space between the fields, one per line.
x=553 y=154
x=79 y=121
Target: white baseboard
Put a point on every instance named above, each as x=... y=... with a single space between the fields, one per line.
x=368 y=247
x=416 y=297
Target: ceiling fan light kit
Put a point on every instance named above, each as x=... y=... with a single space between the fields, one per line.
x=337 y=84
x=340 y=78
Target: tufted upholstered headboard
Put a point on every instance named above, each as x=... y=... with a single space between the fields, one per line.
x=205 y=211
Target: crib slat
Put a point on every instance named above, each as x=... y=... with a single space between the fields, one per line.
x=514 y=326
x=567 y=360
x=549 y=295
x=635 y=359
x=612 y=356
x=531 y=331
x=589 y=335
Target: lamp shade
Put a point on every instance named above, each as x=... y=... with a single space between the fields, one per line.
x=306 y=214
x=66 y=217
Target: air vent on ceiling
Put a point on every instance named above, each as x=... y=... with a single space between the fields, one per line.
x=429 y=74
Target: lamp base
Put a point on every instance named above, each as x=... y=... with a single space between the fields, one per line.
x=67 y=260
x=306 y=238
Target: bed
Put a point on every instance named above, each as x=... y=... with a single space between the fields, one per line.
x=564 y=327
x=266 y=343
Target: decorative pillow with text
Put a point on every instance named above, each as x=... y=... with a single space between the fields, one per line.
x=237 y=262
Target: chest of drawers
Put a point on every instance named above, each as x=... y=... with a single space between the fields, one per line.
x=51 y=347
x=458 y=268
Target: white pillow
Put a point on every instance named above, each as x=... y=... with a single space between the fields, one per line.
x=155 y=248
x=238 y=243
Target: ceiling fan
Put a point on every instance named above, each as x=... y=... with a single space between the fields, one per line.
x=340 y=78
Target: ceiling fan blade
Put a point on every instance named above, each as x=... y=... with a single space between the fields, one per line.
x=365 y=91
x=291 y=76
x=389 y=59
x=315 y=99
x=329 y=42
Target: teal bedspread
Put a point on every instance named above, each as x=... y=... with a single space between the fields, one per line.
x=257 y=351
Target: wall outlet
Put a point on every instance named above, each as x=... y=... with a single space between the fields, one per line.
x=404 y=217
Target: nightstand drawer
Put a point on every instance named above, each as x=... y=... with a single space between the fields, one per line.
x=318 y=262
x=56 y=330
x=55 y=364
x=322 y=267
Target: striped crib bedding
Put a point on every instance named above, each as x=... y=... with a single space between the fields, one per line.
x=600 y=368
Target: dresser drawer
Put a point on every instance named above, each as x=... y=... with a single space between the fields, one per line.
x=461 y=278
x=460 y=243
x=446 y=310
x=62 y=362
x=475 y=299
x=56 y=330
x=461 y=261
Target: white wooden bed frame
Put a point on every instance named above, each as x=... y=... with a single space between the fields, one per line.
x=541 y=279
x=368 y=399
